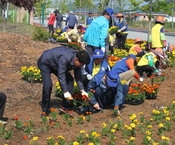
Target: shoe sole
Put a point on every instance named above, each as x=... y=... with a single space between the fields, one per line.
x=62 y=111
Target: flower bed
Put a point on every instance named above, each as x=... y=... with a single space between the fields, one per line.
x=135 y=96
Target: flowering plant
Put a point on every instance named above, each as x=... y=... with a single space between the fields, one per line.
x=135 y=95
x=31 y=74
x=61 y=39
x=74 y=45
x=112 y=30
x=150 y=90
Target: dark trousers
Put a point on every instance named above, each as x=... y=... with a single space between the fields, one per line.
x=145 y=69
x=46 y=72
x=121 y=40
x=90 y=49
x=2 y=104
x=51 y=30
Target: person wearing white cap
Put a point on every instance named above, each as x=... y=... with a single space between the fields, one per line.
x=71 y=20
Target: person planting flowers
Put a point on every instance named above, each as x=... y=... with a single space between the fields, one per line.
x=59 y=61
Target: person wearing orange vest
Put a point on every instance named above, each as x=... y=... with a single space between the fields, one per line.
x=157 y=39
x=136 y=48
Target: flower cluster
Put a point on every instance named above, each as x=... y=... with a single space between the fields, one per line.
x=74 y=45
x=31 y=74
x=135 y=94
x=113 y=30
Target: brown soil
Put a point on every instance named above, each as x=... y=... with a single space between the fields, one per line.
x=23 y=98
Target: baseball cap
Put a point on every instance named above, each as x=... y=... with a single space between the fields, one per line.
x=98 y=53
x=110 y=11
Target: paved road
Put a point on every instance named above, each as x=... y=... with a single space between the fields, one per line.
x=144 y=35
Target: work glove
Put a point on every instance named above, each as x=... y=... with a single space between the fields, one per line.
x=84 y=93
x=141 y=79
x=69 y=40
x=119 y=31
x=103 y=49
x=89 y=77
x=68 y=96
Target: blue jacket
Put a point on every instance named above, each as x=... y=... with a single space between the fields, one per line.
x=120 y=66
x=89 y=20
x=71 y=20
x=97 y=32
x=61 y=60
x=122 y=24
x=95 y=81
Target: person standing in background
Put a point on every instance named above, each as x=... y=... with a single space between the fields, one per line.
x=59 y=19
x=89 y=19
x=122 y=33
x=71 y=20
x=51 y=23
x=157 y=39
x=97 y=32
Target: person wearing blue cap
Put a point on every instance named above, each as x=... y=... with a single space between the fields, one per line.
x=97 y=32
x=115 y=84
x=89 y=19
x=108 y=93
x=96 y=69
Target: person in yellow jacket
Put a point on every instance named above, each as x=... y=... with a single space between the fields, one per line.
x=157 y=38
x=148 y=64
x=136 y=48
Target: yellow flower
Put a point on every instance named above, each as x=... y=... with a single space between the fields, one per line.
x=149 y=126
x=133 y=125
x=148 y=132
x=49 y=138
x=61 y=137
x=161 y=125
x=104 y=125
x=132 y=138
x=35 y=138
x=113 y=130
x=168 y=118
x=82 y=131
x=91 y=143
x=75 y=143
x=165 y=138
x=141 y=113
x=148 y=138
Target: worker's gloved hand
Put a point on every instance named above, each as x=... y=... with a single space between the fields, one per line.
x=69 y=40
x=89 y=77
x=119 y=31
x=68 y=96
x=103 y=49
x=141 y=79
x=84 y=93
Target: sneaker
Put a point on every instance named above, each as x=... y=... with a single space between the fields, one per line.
x=2 y=123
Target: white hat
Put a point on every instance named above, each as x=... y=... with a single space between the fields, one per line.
x=71 y=12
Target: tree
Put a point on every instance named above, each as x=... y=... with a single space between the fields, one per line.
x=26 y=4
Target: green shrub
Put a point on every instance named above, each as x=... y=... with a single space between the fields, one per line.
x=40 y=34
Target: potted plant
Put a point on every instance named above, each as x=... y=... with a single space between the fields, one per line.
x=150 y=90
x=135 y=96
x=113 y=30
